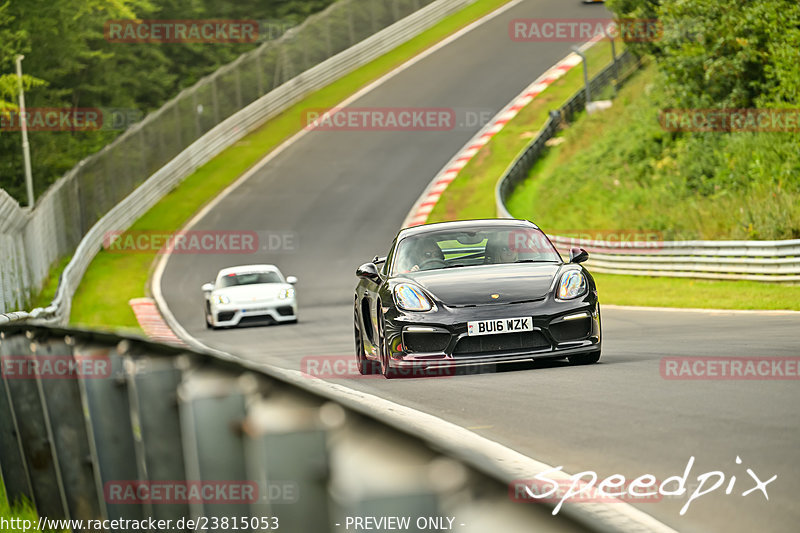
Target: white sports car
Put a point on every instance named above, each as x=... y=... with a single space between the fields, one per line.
x=249 y=294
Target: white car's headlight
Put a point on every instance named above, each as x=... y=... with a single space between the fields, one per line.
x=572 y=285
x=411 y=298
x=285 y=294
x=222 y=299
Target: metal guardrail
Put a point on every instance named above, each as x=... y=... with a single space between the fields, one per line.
x=152 y=415
x=775 y=261
x=11 y=318
x=111 y=189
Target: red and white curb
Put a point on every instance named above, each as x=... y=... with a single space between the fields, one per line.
x=430 y=197
x=152 y=322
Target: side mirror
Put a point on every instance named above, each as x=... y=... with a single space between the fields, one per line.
x=291 y=280
x=368 y=271
x=207 y=287
x=578 y=255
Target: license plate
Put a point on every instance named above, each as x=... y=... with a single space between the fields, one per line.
x=500 y=325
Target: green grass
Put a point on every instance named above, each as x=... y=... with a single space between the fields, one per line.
x=22 y=510
x=695 y=293
x=471 y=194
x=113 y=279
x=619 y=170
x=48 y=290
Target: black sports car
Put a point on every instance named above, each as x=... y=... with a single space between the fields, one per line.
x=474 y=292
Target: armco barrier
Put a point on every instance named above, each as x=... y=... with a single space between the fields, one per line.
x=160 y=416
x=775 y=261
x=111 y=189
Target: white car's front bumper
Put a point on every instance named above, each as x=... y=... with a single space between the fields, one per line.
x=227 y=315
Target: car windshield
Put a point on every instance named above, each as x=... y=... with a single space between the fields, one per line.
x=479 y=246
x=249 y=278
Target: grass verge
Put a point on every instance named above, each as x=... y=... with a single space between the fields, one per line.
x=112 y=278
x=623 y=171
x=21 y=511
x=695 y=293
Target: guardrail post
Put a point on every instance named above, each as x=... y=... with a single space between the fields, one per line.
x=108 y=422
x=152 y=393
x=286 y=449
x=13 y=468
x=212 y=408
x=61 y=397
x=34 y=432
x=375 y=472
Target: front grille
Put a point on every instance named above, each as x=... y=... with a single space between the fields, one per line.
x=285 y=310
x=570 y=330
x=224 y=316
x=426 y=342
x=497 y=344
x=263 y=319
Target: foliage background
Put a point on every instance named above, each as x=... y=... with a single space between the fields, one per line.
x=621 y=170
x=68 y=63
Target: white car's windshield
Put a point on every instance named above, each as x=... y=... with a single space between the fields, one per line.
x=249 y=278
x=480 y=246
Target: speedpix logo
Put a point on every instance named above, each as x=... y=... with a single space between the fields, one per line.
x=586 y=487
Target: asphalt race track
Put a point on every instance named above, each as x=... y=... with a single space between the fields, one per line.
x=343 y=195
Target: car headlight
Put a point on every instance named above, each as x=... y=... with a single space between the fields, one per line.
x=572 y=285
x=285 y=294
x=411 y=298
x=222 y=299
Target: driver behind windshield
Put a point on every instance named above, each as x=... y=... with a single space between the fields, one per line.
x=499 y=250
x=424 y=255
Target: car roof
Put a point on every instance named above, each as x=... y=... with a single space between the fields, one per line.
x=462 y=224
x=246 y=269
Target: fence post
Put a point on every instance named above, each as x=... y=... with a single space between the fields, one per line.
x=578 y=51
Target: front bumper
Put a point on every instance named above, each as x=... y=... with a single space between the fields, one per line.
x=440 y=339
x=274 y=311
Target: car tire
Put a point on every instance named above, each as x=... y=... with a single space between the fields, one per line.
x=365 y=366
x=588 y=358
x=387 y=371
